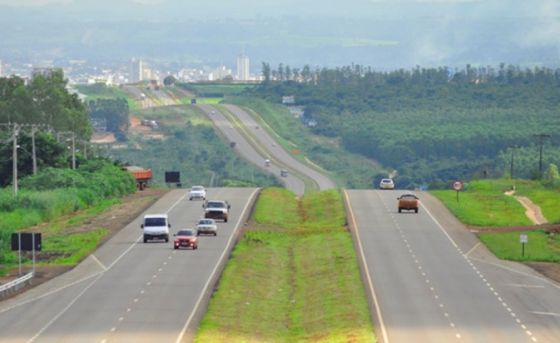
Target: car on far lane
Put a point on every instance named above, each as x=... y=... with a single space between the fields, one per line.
x=409 y=202
x=197 y=192
x=207 y=226
x=186 y=238
x=386 y=184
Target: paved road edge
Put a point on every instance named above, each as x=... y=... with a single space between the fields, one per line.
x=373 y=303
x=191 y=325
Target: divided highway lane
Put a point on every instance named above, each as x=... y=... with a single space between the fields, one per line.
x=323 y=181
x=435 y=283
x=246 y=150
x=128 y=291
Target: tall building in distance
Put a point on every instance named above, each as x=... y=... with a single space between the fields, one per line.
x=1 y=71
x=242 y=67
x=136 y=73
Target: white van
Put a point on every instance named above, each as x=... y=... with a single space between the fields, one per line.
x=156 y=226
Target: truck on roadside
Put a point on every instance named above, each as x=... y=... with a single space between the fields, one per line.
x=141 y=175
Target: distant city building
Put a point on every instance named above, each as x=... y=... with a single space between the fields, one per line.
x=136 y=73
x=1 y=71
x=243 y=67
x=219 y=73
x=46 y=72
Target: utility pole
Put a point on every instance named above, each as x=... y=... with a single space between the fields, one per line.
x=73 y=151
x=60 y=135
x=14 y=159
x=541 y=137
x=34 y=130
x=511 y=165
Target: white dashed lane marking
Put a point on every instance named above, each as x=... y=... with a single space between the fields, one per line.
x=467 y=259
x=136 y=300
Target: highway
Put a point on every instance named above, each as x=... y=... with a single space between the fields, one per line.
x=277 y=152
x=128 y=291
x=430 y=279
x=248 y=151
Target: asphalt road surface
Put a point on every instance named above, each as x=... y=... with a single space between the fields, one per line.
x=128 y=291
x=432 y=281
x=248 y=152
x=277 y=152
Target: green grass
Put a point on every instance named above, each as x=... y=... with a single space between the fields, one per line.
x=209 y=101
x=62 y=246
x=541 y=246
x=322 y=153
x=216 y=89
x=72 y=248
x=547 y=199
x=310 y=184
x=94 y=92
x=484 y=203
x=293 y=277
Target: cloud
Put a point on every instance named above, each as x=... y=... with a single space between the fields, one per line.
x=32 y=3
x=546 y=29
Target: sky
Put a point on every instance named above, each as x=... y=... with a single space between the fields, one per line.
x=426 y=31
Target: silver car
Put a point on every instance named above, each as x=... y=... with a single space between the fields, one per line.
x=197 y=192
x=387 y=184
x=207 y=226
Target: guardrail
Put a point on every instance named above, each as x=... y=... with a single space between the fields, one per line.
x=14 y=284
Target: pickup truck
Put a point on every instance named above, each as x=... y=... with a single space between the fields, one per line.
x=409 y=202
x=216 y=209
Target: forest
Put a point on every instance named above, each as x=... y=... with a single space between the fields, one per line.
x=431 y=125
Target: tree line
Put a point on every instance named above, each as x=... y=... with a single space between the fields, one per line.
x=430 y=124
x=53 y=124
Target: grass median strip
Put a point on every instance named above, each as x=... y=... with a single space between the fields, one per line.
x=310 y=184
x=292 y=277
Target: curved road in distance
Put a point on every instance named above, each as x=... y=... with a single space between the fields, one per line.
x=433 y=281
x=247 y=151
x=277 y=152
x=128 y=291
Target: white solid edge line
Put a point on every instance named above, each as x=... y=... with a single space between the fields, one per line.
x=55 y=318
x=370 y=282
x=205 y=288
x=86 y=277
x=440 y=227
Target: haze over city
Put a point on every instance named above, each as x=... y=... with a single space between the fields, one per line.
x=378 y=33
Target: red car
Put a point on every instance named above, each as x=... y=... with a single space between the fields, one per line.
x=186 y=238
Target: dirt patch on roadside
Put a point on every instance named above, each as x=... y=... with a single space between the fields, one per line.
x=113 y=219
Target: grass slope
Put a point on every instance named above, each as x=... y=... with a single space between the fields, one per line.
x=293 y=277
x=349 y=170
x=483 y=203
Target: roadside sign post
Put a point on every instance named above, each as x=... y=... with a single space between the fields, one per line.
x=19 y=251
x=523 y=239
x=457 y=186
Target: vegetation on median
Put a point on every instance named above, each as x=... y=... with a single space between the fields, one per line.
x=292 y=277
x=348 y=169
